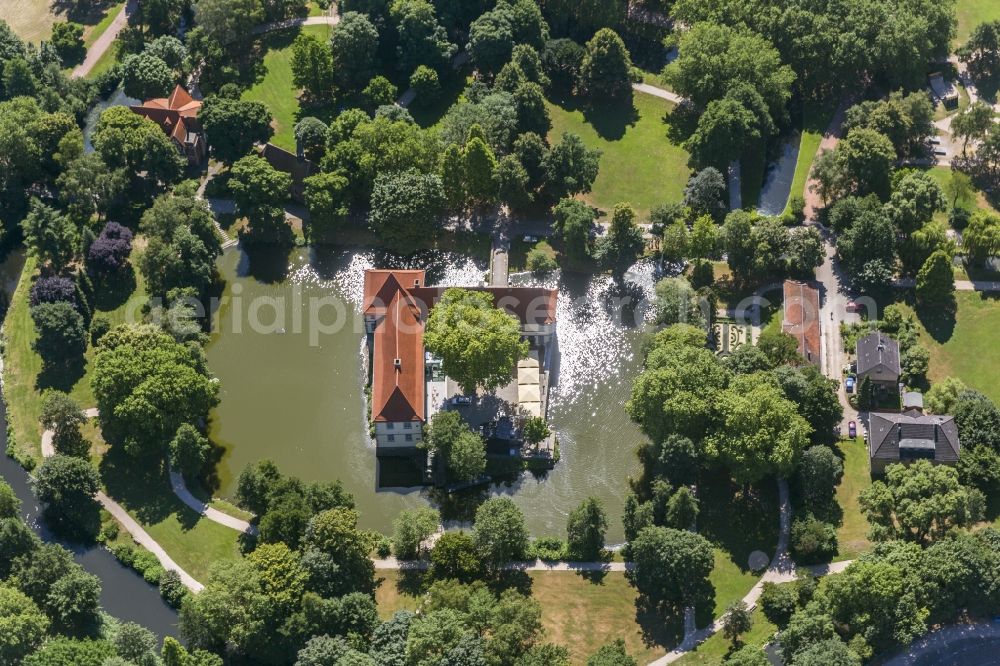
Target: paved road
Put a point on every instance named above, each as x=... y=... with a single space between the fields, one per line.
x=107 y=38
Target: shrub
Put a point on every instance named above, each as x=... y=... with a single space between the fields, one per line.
x=778 y=602
x=959 y=218
x=144 y=560
x=797 y=205
x=109 y=252
x=98 y=329
x=153 y=574
x=383 y=546
x=124 y=553
x=813 y=540
x=172 y=589
x=540 y=262
x=109 y=532
x=53 y=290
x=548 y=548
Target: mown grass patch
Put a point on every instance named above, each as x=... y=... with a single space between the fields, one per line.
x=639 y=164
x=714 y=650
x=851 y=534
x=276 y=88
x=973 y=12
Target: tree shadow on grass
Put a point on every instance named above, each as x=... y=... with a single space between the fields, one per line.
x=411 y=582
x=739 y=520
x=113 y=291
x=660 y=627
x=61 y=376
x=142 y=485
x=939 y=320
x=611 y=121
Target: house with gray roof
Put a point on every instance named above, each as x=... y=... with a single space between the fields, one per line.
x=878 y=359
x=911 y=435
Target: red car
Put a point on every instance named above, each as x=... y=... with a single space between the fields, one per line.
x=852 y=429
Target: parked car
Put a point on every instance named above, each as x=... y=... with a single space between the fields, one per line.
x=853 y=306
x=531 y=239
x=852 y=429
x=461 y=400
x=849 y=384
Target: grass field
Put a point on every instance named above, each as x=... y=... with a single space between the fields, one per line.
x=851 y=533
x=714 y=650
x=968 y=349
x=973 y=12
x=639 y=165
x=32 y=20
x=91 y=33
x=276 y=89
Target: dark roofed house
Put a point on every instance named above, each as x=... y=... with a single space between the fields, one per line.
x=802 y=315
x=296 y=166
x=177 y=115
x=878 y=359
x=911 y=435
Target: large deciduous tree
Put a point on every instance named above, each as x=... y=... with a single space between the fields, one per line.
x=606 y=70
x=182 y=246
x=354 y=43
x=500 y=534
x=406 y=209
x=479 y=344
x=233 y=126
x=671 y=566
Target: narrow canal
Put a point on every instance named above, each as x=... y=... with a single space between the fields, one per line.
x=296 y=395
x=124 y=593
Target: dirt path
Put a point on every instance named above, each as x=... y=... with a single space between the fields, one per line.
x=104 y=42
x=830 y=138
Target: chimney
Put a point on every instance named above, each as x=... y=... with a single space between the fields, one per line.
x=397 y=363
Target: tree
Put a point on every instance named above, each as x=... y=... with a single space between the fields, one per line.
x=535 y=430
x=135 y=643
x=455 y=556
x=327 y=199
x=817 y=476
x=145 y=76
x=233 y=126
x=865 y=158
x=406 y=208
x=748 y=655
x=500 y=533
x=182 y=245
x=725 y=131
x=51 y=237
x=606 y=70
x=682 y=509
x=813 y=540
x=66 y=486
x=573 y=223
x=189 y=451
x=23 y=626
x=354 y=43
x=736 y=622
x=310 y=135
x=491 y=40
x=585 y=530
x=981 y=55
x=147 y=386
x=478 y=344
x=704 y=193
x=623 y=243
x=67 y=38
x=561 y=60
x=778 y=602
x=805 y=250
x=920 y=502
x=255 y=184
x=228 y=21
x=480 y=165
x=109 y=252
x=671 y=566
x=759 y=433
x=936 y=281
x=570 y=167
x=62 y=333
x=914 y=201
x=677 y=302
x=869 y=244
x=981 y=239
x=410 y=529
x=612 y=654
x=422 y=39
x=426 y=84
x=715 y=58
x=830 y=652
x=312 y=67
x=87 y=187
x=128 y=141
x=977 y=418
x=513 y=183
x=63 y=416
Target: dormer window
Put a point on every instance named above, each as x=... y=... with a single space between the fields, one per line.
x=397 y=363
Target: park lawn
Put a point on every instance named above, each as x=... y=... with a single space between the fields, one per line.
x=851 y=534
x=968 y=351
x=578 y=613
x=276 y=89
x=732 y=582
x=971 y=202
x=973 y=12
x=716 y=647
x=105 y=62
x=639 y=164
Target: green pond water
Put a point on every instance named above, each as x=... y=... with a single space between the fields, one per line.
x=294 y=393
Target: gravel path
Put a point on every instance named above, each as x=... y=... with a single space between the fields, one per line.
x=107 y=38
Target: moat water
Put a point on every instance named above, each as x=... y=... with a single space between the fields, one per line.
x=293 y=391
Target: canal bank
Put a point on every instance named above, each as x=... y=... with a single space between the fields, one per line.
x=124 y=593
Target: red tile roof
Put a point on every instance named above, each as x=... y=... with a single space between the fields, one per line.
x=177 y=114
x=398 y=370
x=802 y=316
x=398 y=299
